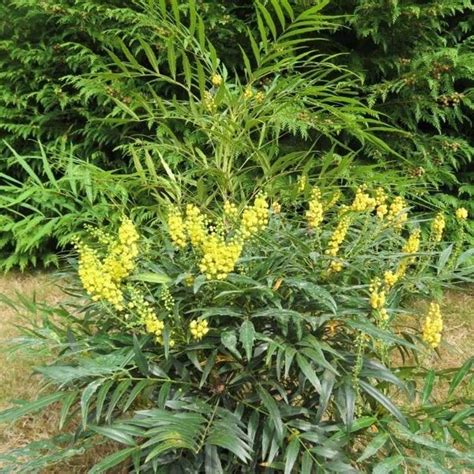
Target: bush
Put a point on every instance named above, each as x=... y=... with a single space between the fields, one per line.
x=257 y=337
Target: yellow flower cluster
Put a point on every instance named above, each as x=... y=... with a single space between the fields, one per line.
x=198 y=329
x=216 y=80
x=301 y=185
x=195 y=225
x=397 y=216
x=248 y=93
x=219 y=258
x=154 y=326
x=260 y=97
x=276 y=207
x=167 y=298
x=381 y=209
x=255 y=218
x=176 y=228
x=101 y=278
x=120 y=260
x=338 y=236
x=437 y=227
x=209 y=102
x=412 y=245
x=362 y=201
x=98 y=284
x=390 y=278
x=433 y=326
x=314 y=214
x=230 y=209
x=461 y=213
x=335 y=242
x=377 y=294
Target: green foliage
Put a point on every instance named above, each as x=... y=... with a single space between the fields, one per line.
x=417 y=61
x=295 y=374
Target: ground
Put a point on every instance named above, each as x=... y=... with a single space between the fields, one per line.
x=17 y=381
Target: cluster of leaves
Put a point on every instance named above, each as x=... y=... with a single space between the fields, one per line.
x=148 y=104
x=293 y=376
x=417 y=61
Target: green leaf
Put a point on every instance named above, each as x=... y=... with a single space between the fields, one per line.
x=111 y=461
x=309 y=372
x=86 y=397
x=67 y=403
x=152 y=277
x=211 y=360
x=291 y=455
x=13 y=413
x=140 y=359
x=428 y=388
x=115 y=434
x=383 y=400
x=229 y=341
x=273 y=411
x=247 y=337
x=460 y=374
x=372 y=448
x=388 y=465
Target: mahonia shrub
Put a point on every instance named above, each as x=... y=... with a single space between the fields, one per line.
x=254 y=337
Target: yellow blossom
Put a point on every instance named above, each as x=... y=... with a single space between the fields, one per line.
x=301 y=184
x=248 y=93
x=412 y=245
x=461 y=213
x=377 y=295
x=254 y=218
x=230 y=210
x=380 y=196
x=216 y=80
x=381 y=210
x=198 y=329
x=362 y=201
x=101 y=278
x=314 y=214
x=390 y=278
x=260 y=97
x=209 y=102
x=219 y=258
x=433 y=326
x=195 y=224
x=335 y=266
x=397 y=215
x=176 y=228
x=437 y=227
x=276 y=207
x=98 y=284
x=338 y=236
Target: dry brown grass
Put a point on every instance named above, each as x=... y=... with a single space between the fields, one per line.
x=16 y=381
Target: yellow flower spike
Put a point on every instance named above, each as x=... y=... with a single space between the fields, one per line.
x=255 y=218
x=377 y=295
x=276 y=207
x=432 y=326
x=338 y=236
x=248 y=93
x=314 y=214
x=362 y=201
x=301 y=184
x=216 y=80
x=260 y=97
x=195 y=224
x=437 y=227
x=412 y=245
x=230 y=210
x=219 y=258
x=397 y=216
x=380 y=196
x=461 y=213
x=390 y=278
x=381 y=211
x=177 y=229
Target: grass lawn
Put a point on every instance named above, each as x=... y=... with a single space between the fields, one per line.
x=16 y=381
